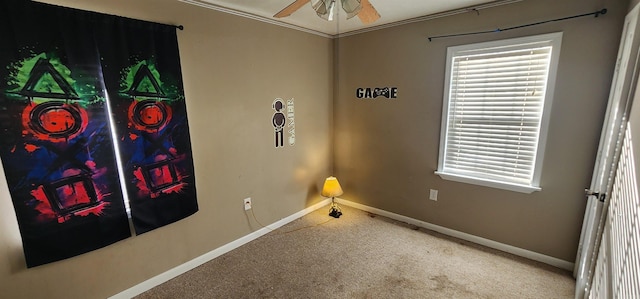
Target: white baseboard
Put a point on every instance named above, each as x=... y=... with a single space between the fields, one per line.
x=172 y=273
x=464 y=236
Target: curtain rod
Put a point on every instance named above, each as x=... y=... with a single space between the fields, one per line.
x=180 y=27
x=596 y=14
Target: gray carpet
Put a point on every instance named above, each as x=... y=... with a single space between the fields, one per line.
x=361 y=255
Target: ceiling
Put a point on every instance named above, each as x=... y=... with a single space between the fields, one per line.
x=391 y=11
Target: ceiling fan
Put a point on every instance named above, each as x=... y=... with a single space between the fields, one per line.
x=326 y=9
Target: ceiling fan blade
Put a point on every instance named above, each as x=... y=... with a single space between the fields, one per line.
x=287 y=11
x=368 y=14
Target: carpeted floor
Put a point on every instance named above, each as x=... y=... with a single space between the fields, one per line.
x=361 y=255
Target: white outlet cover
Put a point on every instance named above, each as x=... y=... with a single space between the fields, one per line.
x=433 y=194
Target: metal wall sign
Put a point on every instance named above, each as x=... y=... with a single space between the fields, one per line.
x=292 y=122
x=283 y=120
x=377 y=92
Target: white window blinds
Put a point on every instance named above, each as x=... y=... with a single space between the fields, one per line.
x=495 y=98
x=617 y=268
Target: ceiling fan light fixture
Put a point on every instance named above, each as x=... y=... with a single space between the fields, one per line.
x=332 y=9
x=324 y=8
x=351 y=7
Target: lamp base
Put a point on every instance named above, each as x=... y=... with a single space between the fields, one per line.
x=335 y=211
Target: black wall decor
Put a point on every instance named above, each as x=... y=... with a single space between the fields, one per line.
x=372 y=93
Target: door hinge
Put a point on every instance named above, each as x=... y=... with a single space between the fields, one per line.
x=601 y=196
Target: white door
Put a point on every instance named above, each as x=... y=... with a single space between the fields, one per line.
x=616 y=269
x=620 y=98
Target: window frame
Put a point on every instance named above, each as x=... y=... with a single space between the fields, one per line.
x=552 y=39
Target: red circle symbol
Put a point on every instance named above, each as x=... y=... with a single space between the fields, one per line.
x=149 y=116
x=54 y=121
x=57 y=120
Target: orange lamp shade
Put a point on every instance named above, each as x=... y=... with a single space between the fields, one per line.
x=331 y=187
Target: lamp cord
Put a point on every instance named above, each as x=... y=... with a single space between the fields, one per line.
x=293 y=230
x=308 y=226
x=256 y=219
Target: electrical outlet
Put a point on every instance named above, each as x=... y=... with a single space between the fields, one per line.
x=247 y=203
x=433 y=194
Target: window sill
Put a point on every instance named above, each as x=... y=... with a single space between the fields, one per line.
x=488 y=183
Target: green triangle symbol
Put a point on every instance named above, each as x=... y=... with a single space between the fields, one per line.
x=46 y=84
x=146 y=86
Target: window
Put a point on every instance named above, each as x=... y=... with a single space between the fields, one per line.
x=497 y=99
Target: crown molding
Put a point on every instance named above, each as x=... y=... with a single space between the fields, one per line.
x=443 y=14
x=476 y=8
x=253 y=17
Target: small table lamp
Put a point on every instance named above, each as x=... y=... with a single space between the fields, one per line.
x=332 y=189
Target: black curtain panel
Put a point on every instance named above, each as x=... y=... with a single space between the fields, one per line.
x=61 y=70
x=141 y=68
x=55 y=142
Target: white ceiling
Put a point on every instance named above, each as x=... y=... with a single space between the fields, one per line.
x=391 y=11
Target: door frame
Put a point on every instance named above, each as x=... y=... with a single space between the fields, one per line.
x=620 y=98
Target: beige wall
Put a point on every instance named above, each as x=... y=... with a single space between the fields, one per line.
x=233 y=69
x=386 y=151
